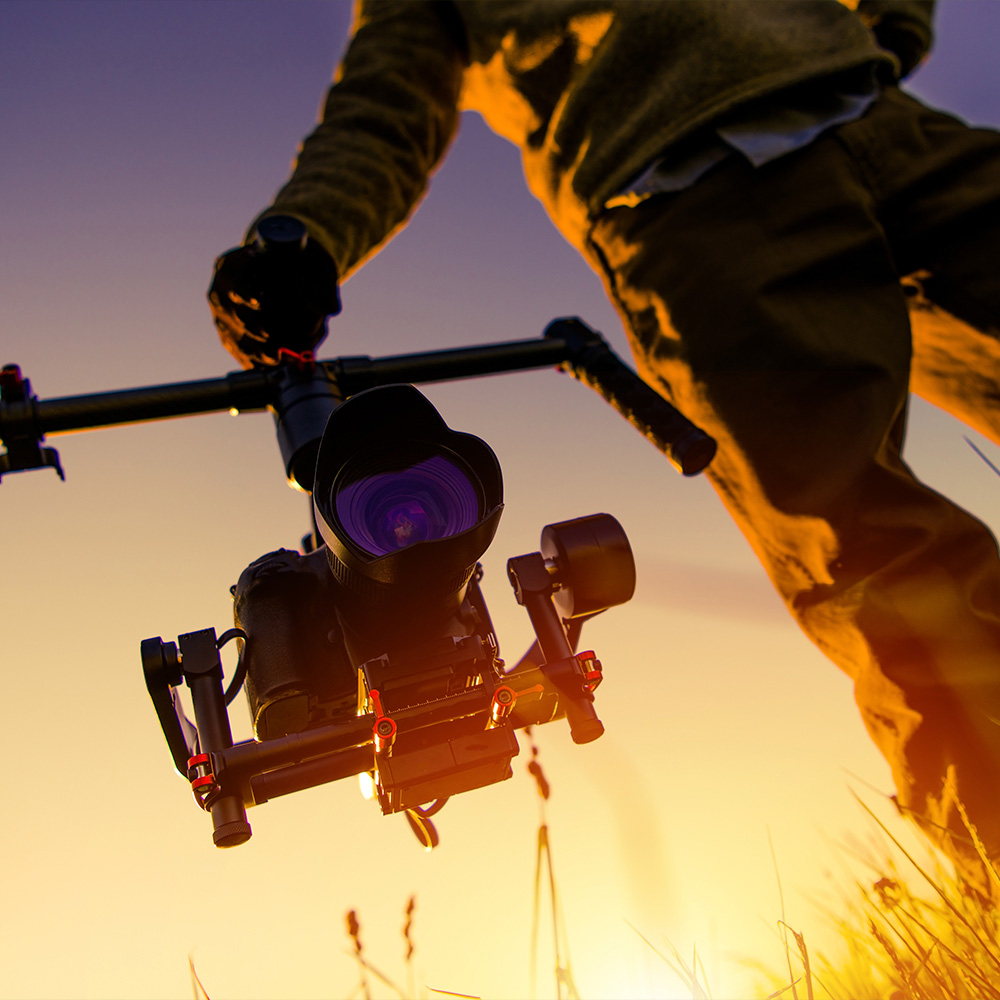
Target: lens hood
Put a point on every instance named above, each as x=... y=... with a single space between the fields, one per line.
x=393 y=435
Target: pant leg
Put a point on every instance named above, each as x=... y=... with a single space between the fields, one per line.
x=940 y=183
x=767 y=305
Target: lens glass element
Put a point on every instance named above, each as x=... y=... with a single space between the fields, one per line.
x=387 y=503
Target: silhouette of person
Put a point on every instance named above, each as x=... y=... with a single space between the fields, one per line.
x=793 y=244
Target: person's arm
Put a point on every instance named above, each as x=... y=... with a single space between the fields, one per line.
x=386 y=123
x=902 y=27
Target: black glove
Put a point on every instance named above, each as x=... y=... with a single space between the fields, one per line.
x=273 y=296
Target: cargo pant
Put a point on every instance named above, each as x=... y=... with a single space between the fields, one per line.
x=788 y=310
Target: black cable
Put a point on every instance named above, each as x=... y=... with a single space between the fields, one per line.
x=425 y=811
x=241 y=667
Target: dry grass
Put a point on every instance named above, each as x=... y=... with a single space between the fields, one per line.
x=909 y=930
x=691 y=974
x=912 y=931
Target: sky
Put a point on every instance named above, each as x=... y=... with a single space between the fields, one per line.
x=139 y=141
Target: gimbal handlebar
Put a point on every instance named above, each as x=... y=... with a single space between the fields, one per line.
x=567 y=344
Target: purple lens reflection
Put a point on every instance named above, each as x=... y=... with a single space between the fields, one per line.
x=387 y=503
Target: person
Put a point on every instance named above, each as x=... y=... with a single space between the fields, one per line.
x=793 y=244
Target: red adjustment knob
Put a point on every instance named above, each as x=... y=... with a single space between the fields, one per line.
x=203 y=784
x=199 y=765
x=204 y=790
x=384 y=733
x=504 y=699
x=384 y=730
x=592 y=671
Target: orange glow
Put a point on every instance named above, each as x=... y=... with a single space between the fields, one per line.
x=366 y=782
x=723 y=724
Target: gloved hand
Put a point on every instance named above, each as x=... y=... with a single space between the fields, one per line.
x=274 y=294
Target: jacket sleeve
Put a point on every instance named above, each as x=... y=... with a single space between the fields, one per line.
x=902 y=27
x=386 y=123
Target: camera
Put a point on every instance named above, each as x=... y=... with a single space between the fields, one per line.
x=373 y=650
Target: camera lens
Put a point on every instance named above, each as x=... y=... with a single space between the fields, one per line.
x=392 y=501
x=405 y=506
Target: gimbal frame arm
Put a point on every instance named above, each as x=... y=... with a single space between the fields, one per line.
x=567 y=344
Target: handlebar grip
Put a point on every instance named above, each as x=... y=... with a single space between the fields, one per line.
x=593 y=363
x=584 y=725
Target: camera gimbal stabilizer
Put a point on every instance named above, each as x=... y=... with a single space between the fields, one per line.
x=373 y=650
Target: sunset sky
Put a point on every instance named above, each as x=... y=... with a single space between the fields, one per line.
x=139 y=139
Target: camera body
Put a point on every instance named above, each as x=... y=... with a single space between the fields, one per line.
x=300 y=675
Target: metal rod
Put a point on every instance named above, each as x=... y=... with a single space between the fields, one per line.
x=255 y=390
x=239 y=390
x=249 y=758
x=353 y=374
x=308 y=774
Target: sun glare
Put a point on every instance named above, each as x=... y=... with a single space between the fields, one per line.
x=367 y=784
